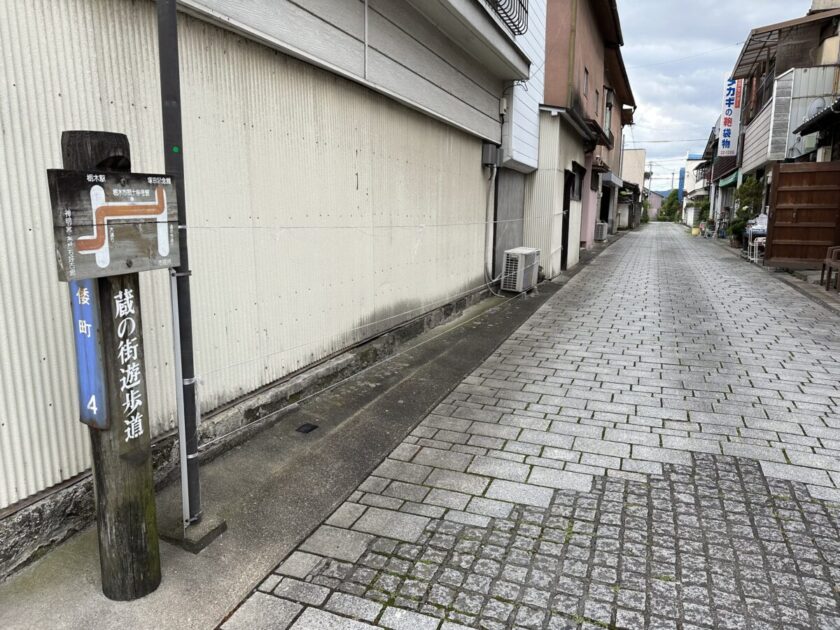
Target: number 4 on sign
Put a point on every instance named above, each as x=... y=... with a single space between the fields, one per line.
x=92 y=405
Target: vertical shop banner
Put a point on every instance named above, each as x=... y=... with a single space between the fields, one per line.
x=730 y=122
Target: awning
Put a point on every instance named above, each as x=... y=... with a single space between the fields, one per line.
x=820 y=121
x=762 y=43
x=611 y=179
x=729 y=181
x=574 y=119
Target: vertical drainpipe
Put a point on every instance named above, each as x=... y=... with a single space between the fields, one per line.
x=366 y=40
x=572 y=43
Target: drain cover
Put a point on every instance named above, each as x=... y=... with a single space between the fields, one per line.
x=306 y=428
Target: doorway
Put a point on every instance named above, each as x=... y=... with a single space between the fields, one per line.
x=568 y=192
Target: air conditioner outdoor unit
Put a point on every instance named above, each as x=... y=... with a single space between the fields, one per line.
x=601 y=231
x=519 y=273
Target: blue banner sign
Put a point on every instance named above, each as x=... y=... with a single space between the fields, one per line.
x=93 y=401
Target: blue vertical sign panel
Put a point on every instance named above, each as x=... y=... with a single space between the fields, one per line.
x=93 y=401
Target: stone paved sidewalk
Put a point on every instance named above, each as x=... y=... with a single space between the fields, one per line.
x=657 y=447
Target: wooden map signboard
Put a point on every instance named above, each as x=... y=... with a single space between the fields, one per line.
x=111 y=223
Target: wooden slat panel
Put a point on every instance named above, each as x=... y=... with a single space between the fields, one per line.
x=804 y=213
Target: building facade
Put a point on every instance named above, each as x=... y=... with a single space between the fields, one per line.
x=587 y=100
x=334 y=176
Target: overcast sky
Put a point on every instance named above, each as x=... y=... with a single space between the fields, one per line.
x=678 y=54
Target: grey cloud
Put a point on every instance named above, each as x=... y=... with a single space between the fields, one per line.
x=679 y=98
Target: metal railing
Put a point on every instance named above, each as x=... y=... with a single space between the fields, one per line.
x=514 y=14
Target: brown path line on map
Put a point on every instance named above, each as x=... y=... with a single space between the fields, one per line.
x=109 y=211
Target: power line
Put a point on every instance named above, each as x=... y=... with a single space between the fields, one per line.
x=677 y=60
x=668 y=141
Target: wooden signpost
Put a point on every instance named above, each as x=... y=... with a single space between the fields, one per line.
x=109 y=224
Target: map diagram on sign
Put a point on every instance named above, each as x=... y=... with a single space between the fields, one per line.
x=103 y=211
x=111 y=223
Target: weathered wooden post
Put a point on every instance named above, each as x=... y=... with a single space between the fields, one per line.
x=111 y=224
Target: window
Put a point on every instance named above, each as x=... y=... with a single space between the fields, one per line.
x=585 y=83
x=575 y=179
x=597 y=103
x=609 y=103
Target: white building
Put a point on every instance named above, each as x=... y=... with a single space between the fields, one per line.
x=334 y=179
x=696 y=191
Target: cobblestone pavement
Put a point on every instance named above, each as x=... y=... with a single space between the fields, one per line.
x=657 y=447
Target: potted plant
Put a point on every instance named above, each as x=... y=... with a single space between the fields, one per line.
x=736 y=232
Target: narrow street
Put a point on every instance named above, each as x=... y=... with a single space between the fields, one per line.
x=657 y=447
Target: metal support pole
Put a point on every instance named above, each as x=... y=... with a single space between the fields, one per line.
x=170 y=91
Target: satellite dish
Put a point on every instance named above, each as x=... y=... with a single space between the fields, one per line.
x=816 y=106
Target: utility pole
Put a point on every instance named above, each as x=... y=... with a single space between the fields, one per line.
x=170 y=93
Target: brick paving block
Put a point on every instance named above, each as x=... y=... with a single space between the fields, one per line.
x=263 y=612
x=398 y=525
x=499 y=469
x=406 y=491
x=446 y=423
x=404 y=452
x=574 y=429
x=640 y=466
x=421 y=509
x=299 y=564
x=691 y=444
x=457 y=482
x=314 y=619
x=601 y=447
x=811 y=476
x=664 y=413
x=486 y=442
x=268 y=584
x=513 y=492
x=437 y=458
x=354 y=607
x=814 y=460
x=546 y=439
x=560 y=479
x=494 y=430
x=447 y=499
x=525 y=422
x=754 y=452
x=302 y=592
x=600 y=461
x=402 y=471
x=704 y=418
x=664 y=455
x=341 y=544
x=467 y=518
x=585 y=469
x=826 y=494
x=627 y=436
x=346 y=514
x=489 y=507
x=398 y=619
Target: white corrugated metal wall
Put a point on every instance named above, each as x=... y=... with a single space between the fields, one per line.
x=321 y=213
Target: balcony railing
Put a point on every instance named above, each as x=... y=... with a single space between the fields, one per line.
x=514 y=14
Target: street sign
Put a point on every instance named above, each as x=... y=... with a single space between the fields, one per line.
x=111 y=223
x=93 y=400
